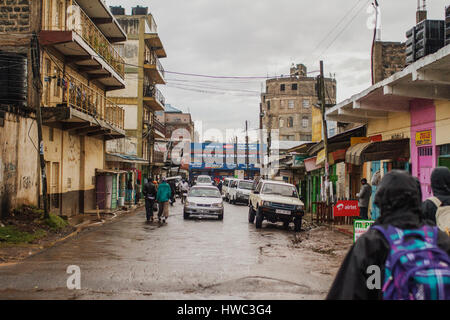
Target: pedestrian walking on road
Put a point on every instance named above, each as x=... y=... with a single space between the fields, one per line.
x=173 y=190
x=150 y=198
x=163 y=196
x=364 y=199
x=137 y=186
x=220 y=185
x=440 y=185
x=400 y=256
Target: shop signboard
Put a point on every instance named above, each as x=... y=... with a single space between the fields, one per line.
x=360 y=227
x=348 y=208
x=358 y=140
x=424 y=138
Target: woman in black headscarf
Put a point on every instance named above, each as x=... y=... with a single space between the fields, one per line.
x=399 y=199
x=440 y=185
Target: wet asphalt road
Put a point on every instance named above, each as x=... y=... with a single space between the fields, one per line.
x=193 y=259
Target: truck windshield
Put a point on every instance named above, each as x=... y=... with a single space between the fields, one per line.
x=246 y=185
x=280 y=190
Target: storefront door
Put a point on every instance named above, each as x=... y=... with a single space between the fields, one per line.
x=375 y=211
x=425 y=167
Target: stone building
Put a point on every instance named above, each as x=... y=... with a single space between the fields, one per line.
x=288 y=104
x=388 y=58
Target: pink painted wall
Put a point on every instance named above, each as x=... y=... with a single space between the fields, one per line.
x=423 y=117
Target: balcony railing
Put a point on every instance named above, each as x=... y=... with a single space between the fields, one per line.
x=153 y=28
x=81 y=97
x=151 y=58
x=153 y=92
x=79 y=22
x=159 y=126
x=158 y=157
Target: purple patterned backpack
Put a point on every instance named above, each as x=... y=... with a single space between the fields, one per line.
x=416 y=268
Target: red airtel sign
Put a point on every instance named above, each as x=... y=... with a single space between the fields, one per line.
x=346 y=209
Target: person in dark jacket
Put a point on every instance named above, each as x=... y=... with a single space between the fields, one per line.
x=150 y=198
x=399 y=199
x=173 y=189
x=440 y=185
x=364 y=199
x=163 y=196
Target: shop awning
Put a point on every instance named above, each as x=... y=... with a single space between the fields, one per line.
x=375 y=151
x=117 y=157
x=103 y=171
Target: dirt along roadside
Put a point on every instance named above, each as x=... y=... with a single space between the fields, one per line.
x=25 y=232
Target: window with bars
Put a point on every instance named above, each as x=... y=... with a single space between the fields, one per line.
x=425 y=151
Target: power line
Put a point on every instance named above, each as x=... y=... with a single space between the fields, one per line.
x=337 y=25
x=345 y=27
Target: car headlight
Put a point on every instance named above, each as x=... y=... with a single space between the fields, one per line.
x=190 y=204
x=239 y=193
x=299 y=208
x=266 y=204
x=217 y=205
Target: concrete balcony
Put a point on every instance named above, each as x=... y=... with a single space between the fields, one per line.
x=153 y=68
x=159 y=129
x=83 y=111
x=86 y=48
x=158 y=158
x=153 y=98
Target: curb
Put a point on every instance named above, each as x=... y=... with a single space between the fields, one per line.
x=344 y=231
x=80 y=227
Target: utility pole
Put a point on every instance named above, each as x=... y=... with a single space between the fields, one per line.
x=246 y=150
x=35 y=61
x=324 y=128
x=261 y=141
x=269 y=145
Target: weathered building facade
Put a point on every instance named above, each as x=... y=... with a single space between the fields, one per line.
x=141 y=97
x=77 y=66
x=288 y=104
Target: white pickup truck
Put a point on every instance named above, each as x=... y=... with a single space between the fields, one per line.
x=276 y=201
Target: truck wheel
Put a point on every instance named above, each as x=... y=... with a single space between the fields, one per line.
x=297 y=224
x=286 y=225
x=259 y=220
x=220 y=217
x=251 y=215
x=186 y=216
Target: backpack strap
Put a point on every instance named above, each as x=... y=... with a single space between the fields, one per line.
x=395 y=235
x=436 y=201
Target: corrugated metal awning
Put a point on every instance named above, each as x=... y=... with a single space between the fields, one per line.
x=380 y=150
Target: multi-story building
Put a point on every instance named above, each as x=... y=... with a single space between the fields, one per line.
x=77 y=65
x=180 y=133
x=289 y=102
x=178 y=125
x=141 y=98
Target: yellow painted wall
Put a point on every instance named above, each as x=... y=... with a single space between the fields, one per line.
x=442 y=122
x=94 y=159
x=396 y=123
x=316 y=125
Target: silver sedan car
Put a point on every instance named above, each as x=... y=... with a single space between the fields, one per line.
x=204 y=201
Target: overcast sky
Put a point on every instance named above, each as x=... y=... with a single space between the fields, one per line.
x=261 y=38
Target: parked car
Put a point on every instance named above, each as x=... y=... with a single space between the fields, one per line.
x=204 y=201
x=204 y=180
x=226 y=188
x=240 y=191
x=276 y=201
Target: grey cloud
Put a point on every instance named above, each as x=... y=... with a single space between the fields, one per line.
x=259 y=37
